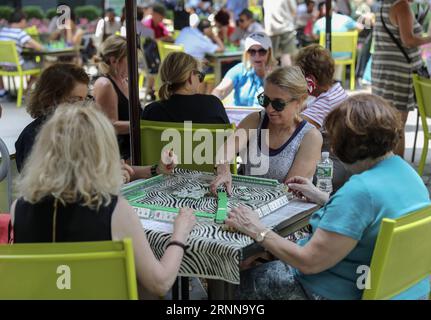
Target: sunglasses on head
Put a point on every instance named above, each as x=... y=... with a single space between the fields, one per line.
x=200 y=74
x=253 y=52
x=277 y=104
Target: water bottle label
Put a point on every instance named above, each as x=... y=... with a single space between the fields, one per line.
x=324 y=172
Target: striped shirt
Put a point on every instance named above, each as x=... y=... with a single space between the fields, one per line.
x=391 y=74
x=318 y=109
x=18 y=35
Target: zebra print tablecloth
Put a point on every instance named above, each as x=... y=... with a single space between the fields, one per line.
x=213 y=253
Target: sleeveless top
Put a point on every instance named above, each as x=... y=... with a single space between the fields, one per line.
x=391 y=73
x=123 y=115
x=74 y=222
x=277 y=164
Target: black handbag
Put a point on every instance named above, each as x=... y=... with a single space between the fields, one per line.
x=423 y=70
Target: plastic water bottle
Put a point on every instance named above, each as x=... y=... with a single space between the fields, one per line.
x=324 y=173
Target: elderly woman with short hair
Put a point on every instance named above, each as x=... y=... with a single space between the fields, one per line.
x=364 y=130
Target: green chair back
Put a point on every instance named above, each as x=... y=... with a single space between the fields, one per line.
x=152 y=145
x=401 y=256
x=342 y=42
x=33 y=32
x=422 y=88
x=346 y=42
x=60 y=271
x=9 y=54
x=165 y=48
x=257 y=12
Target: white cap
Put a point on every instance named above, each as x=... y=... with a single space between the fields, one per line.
x=325 y=155
x=258 y=38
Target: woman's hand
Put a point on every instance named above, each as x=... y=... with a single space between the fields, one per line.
x=183 y=225
x=224 y=177
x=168 y=162
x=304 y=188
x=245 y=220
x=127 y=172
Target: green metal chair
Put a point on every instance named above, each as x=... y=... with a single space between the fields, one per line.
x=152 y=144
x=401 y=256
x=64 y=271
x=423 y=98
x=9 y=56
x=346 y=42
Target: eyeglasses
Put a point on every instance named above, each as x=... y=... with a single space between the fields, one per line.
x=261 y=52
x=241 y=20
x=200 y=74
x=277 y=104
x=75 y=99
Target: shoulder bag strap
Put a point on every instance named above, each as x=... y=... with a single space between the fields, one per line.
x=409 y=60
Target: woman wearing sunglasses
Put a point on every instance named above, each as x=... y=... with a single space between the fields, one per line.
x=289 y=146
x=180 y=99
x=246 y=78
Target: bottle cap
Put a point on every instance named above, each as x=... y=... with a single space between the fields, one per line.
x=325 y=155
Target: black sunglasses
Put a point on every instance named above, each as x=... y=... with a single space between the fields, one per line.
x=253 y=52
x=277 y=104
x=200 y=74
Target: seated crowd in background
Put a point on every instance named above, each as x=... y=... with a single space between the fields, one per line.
x=17 y=22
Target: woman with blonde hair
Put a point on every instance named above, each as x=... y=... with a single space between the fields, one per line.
x=111 y=90
x=70 y=192
x=247 y=77
x=181 y=78
x=278 y=139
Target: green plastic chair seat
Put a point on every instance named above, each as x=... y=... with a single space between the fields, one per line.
x=401 y=256
x=65 y=271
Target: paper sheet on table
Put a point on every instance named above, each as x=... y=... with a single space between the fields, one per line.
x=157 y=226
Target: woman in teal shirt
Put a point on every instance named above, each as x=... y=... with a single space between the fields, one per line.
x=326 y=265
x=246 y=78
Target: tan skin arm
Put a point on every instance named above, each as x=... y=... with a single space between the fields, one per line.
x=324 y=250
x=224 y=176
x=308 y=155
x=402 y=16
x=223 y=89
x=314 y=123
x=33 y=44
x=156 y=276
x=106 y=98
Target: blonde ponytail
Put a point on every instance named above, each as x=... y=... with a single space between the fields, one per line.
x=174 y=73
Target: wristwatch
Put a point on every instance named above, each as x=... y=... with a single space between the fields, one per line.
x=261 y=235
x=154 y=170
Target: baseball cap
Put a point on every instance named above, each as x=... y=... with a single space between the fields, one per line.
x=258 y=38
